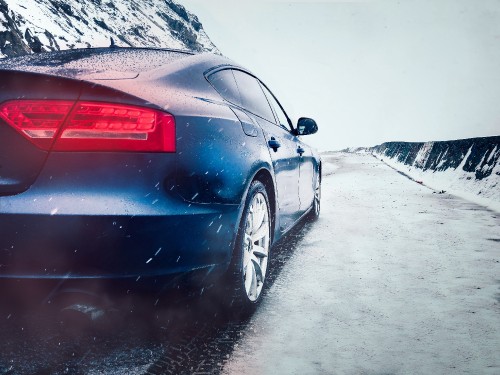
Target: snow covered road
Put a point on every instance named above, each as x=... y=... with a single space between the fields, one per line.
x=394 y=279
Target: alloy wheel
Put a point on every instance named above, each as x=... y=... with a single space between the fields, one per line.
x=256 y=246
x=317 y=197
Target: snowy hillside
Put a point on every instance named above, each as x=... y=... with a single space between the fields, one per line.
x=48 y=25
x=468 y=167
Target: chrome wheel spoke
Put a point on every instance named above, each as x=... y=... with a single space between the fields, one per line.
x=249 y=272
x=259 y=276
x=248 y=240
x=253 y=292
x=249 y=223
x=262 y=232
x=259 y=251
x=258 y=216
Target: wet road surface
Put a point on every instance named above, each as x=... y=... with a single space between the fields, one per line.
x=187 y=335
x=393 y=278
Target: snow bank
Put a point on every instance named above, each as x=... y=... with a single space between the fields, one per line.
x=468 y=168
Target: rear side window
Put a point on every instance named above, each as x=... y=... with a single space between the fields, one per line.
x=223 y=81
x=252 y=96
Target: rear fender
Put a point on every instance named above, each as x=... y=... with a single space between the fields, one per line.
x=216 y=159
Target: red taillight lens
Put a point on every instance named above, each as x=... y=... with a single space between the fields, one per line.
x=91 y=126
x=116 y=127
x=37 y=120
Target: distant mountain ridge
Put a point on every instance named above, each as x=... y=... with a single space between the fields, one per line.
x=32 y=26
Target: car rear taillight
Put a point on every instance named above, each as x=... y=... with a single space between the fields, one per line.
x=91 y=126
x=37 y=120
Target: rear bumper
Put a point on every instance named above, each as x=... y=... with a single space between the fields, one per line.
x=111 y=216
x=41 y=246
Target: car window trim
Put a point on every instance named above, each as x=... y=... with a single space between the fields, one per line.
x=278 y=123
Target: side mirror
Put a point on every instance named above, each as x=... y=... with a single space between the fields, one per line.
x=306 y=126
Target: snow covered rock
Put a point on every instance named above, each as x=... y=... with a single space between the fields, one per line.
x=28 y=26
x=465 y=167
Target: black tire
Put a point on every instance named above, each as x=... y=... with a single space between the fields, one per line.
x=242 y=297
x=316 y=205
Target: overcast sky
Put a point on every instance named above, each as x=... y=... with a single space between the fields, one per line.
x=373 y=71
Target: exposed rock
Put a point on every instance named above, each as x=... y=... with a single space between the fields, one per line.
x=475 y=155
x=59 y=25
x=465 y=167
x=33 y=41
x=181 y=31
x=179 y=9
x=102 y=24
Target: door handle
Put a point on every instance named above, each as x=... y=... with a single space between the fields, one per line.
x=300 y=150
x=274 y=144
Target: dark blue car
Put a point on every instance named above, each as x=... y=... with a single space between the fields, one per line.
x=142 y=165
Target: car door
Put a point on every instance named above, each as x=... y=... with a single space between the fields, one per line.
x=282 y=148
x=304 y=152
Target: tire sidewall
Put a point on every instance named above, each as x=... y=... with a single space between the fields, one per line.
x=316 y=206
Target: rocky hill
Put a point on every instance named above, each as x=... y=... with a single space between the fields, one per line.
x=31 y=26
x=465 y=167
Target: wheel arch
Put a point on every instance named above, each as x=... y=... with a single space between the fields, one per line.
x=264 y=176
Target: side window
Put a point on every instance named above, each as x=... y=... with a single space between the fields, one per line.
x=252 y=96
x=282 y=118
x=223 y=81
